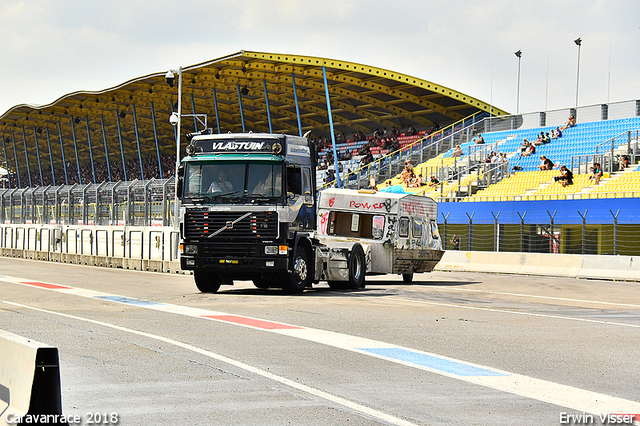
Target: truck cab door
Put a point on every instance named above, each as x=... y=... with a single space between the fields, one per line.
x=308 y=207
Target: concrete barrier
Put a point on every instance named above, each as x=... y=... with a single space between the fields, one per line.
x=29 y=381
x=558 y=265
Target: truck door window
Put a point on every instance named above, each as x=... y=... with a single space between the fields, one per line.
x=306 y=186
x=294 y=178
x=377 y=227
x=403 y=227
x=417 y=228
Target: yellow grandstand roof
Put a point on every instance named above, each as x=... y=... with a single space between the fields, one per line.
x=363 y=98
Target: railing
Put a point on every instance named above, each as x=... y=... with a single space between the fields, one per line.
x=139 y=203
x=609 y=147
x=426 y=147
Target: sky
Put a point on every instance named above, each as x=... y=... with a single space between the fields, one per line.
x=51 y=48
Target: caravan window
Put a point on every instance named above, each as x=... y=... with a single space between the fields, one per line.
x=403 y=227
x=417 y=228
x=377 y=227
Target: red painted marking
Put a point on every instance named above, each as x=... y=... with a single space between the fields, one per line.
x=45 y=285
x=267 y=325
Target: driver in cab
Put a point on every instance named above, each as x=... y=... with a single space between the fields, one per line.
x=221 y=184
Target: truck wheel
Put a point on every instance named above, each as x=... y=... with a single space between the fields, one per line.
x=407 y=278
x=300 y=277
x=357 y=267
x=207 y=282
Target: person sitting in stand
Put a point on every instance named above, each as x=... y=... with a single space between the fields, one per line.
x=596 y=173
x=545 y=164
x=479 y=140
x=457 y=152
x=624 y=162
x=571 y=122
x=566 y=176
x=538 y=141
x=405 y=176
x=433 y=181
x=530 y=149
x=372 y=183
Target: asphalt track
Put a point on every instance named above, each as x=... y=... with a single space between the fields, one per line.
x=450 y=349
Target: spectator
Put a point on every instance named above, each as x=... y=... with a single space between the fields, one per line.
x=545 y=163
x=455 y=242
x=457 y=152
x=479 y=139
x=565 y=178
x=529 y=149
x=596 y=173
x=372 y=183
x=624 y=162
x=571 y=122
x=433 y=181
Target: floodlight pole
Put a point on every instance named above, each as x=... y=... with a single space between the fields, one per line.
x=519 y=55
x=578 y=42
x=176 y=205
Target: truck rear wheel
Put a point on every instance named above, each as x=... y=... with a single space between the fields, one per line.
x=407 y=278
x=207 y=282
x=357 y=267
x=300 y=277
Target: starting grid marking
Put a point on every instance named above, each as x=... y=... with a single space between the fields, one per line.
x=541 y=390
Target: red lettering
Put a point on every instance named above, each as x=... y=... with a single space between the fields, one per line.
x=331 y=202
x=366 y=206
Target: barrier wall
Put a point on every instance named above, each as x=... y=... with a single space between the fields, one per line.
x=29 y=380
x=559 y=265
x=130 y=247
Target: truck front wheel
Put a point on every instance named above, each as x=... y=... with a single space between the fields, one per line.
x=207 y=282
x=300 y=276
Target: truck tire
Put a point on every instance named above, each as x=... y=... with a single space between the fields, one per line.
x=407 y=278
x=207 y=282
x=357 y=267
x=300 y=277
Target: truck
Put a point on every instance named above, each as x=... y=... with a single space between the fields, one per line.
x=249 y=211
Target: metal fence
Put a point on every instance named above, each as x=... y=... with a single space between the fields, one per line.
x=134 y=203
x=579 y=233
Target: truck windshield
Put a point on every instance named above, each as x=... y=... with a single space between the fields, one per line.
x=217 y=180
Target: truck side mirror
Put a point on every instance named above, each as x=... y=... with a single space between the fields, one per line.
x=180 y=181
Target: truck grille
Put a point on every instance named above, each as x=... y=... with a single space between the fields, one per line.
x=230 y=249
x=201 y=224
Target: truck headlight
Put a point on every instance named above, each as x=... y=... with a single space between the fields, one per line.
x=271 y=250
x=191 y=249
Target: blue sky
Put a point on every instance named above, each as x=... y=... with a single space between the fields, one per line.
x=53 y=48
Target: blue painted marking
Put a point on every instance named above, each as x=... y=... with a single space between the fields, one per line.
x=432 y=362
x=128 y=300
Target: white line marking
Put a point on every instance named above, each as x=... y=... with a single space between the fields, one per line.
x=505 y=311
x=379 y=415
x=562 y=299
